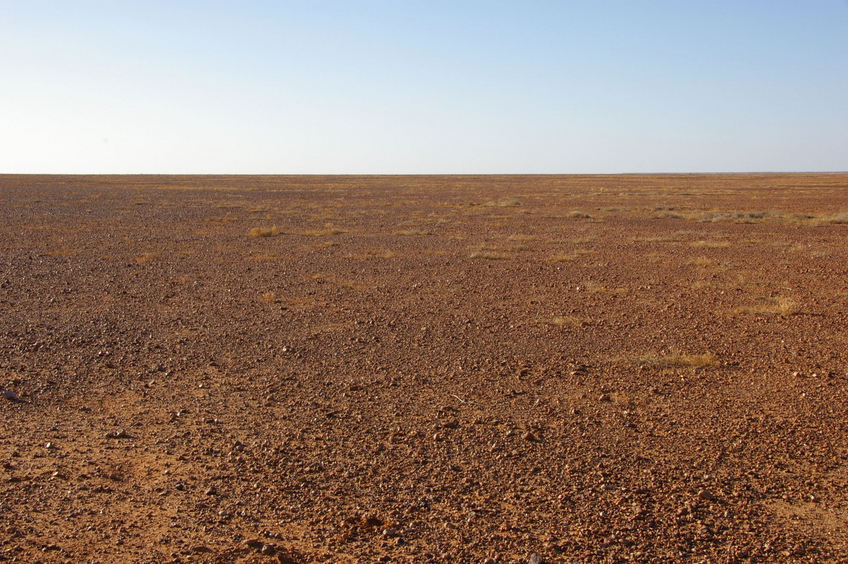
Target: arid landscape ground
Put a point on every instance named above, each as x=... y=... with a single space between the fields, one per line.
x=424 y=369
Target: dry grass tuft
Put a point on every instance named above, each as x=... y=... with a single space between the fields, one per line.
x=570 y=257
x=782 y=306
x=147 y=257
x=567 y=321
x=522 y=238
x=657 y=239
x=574 y=241
x=489 y=255
x=677 y=359
x=264 y=232
x=410 y=232
x=502 y=203
x=711 y=244
x=703 y=262
x=270 y=297
x=839 y=218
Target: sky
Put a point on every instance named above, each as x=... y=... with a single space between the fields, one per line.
x=423 y=87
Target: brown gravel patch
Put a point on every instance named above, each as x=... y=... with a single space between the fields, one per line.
x=424 y=369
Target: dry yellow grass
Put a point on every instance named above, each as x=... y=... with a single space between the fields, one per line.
x=566 y=321
x=410 y=232
x=703 y=262
x=264 y=232
x=782 y=306
x=270 y=297
x=503 y=203
x=656 y=239
x=677 y=359
x=710 y=244
x=147 y=257
x=573 y=241
x=489 y=255
x=570 y=257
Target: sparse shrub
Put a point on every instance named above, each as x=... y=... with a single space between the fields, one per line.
x=410 y=232
x=711 y=244
x=488 y=255
x=502 y=203
x=147 y=257
x=522 y=238
x=782 y=306
x=567 y=320
x=264 y=232
x=677 y=359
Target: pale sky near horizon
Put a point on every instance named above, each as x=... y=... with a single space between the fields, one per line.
x=423 y=87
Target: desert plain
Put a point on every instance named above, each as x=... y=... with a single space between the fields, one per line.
x=414 y=369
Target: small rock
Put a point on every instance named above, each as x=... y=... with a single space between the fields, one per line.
x=706 y=495
x=50 y=446
x=390 y=533
x=211 y=491
x=10 y=395
x=120 y=434
x=529 y=436
x=535 y=558
x=180 y=486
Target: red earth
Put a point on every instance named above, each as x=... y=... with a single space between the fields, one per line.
x=424 y=369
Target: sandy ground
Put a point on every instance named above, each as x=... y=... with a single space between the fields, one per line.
x=424 y=369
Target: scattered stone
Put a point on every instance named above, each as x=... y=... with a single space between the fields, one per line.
x=535 y=558
x=211 y=491
x=180 y=486
x=120 y=434
x=10 y=395
x=390 y=533
x=50 y=446
x=706 y=495
x=529 y=436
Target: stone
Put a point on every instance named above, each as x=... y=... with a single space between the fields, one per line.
x=10 y=395
x=706 y=495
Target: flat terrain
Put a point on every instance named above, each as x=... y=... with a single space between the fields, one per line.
x=424 y=369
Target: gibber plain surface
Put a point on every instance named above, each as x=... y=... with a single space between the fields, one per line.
x=413 y=369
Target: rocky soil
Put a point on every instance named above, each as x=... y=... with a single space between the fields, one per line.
x=424 y=369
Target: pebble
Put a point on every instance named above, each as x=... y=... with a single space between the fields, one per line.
x=10 y=395
x=535 y=558
x=706 y=495
x=529 y=436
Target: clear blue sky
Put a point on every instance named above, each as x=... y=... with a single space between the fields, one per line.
x=290 y=87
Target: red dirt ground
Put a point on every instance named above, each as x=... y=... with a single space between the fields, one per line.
x=424 y=369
